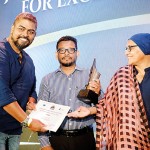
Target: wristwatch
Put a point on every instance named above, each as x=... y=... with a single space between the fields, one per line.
x=26 y=122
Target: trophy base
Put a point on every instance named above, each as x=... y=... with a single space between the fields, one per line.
x=88 y=96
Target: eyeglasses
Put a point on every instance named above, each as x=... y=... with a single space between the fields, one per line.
x=69 y=50
x=129 y=48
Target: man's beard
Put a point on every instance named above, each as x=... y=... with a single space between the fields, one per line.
x=20 y=46
x=67 y=64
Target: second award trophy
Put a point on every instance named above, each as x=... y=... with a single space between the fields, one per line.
x=86 y=95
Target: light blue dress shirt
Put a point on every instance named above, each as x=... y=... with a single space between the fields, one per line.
x=59 y=88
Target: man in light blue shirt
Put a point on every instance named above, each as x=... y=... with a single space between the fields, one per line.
x=62 y=87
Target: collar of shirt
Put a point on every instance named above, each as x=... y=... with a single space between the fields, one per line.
x=76 y=69
x=16 y=55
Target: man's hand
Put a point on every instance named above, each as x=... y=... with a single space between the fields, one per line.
x=81 y=112
x=47 y=148
x=37 y=125
x=30 y=106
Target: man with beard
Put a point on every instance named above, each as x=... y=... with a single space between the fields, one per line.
x=17 y=82
x=62 y=87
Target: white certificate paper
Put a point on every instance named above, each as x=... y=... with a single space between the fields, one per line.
x=51 y=114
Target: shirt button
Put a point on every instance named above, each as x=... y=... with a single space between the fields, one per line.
x=70 y=99
x=69 y=88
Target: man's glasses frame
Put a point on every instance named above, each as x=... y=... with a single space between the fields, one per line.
x=69 y=50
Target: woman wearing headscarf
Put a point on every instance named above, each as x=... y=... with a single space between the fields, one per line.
x=123 y=115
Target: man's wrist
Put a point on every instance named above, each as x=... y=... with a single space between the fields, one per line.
x=26 y=122
x=92 y=110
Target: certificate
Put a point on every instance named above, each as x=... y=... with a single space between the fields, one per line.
x=51 y=114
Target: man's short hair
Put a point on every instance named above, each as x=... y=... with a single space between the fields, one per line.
x=67 y=38
x=26 y=15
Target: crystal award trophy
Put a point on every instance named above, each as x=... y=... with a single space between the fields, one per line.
x=86 y=95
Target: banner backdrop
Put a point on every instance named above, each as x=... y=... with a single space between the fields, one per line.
x=102 y=28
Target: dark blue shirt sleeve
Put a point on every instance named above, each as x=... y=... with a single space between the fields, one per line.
x=33 y=90
x=6 y=94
